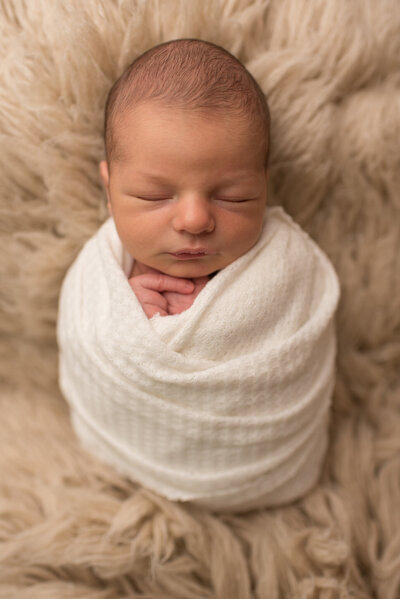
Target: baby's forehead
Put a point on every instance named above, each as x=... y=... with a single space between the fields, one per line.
x=149 y=112
x=148 y=127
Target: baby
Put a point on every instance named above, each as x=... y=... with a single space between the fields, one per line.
x=212 y=381
x=187 y=143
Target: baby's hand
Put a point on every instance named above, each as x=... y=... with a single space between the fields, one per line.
x=152 y=291
x=178 y=303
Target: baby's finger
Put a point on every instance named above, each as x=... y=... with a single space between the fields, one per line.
x=200 y=283
x=172 y=310
x=151 y=310
x=160 y=282
x=148 y=296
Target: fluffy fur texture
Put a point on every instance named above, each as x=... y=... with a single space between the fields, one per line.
x=71 y=527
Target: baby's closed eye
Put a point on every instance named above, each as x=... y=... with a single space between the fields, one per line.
x=234 y=200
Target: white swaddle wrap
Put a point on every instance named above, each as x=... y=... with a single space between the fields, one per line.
x=226 y=404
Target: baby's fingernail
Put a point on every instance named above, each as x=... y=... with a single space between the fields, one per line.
x=188 y=285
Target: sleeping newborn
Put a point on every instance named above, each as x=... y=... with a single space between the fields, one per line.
x=185 y=175
x=195 y=328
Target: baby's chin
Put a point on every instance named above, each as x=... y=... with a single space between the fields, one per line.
x=185 y=270
x=189 y=271
x=192 y=269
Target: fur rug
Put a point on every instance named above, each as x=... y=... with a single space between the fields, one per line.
x=69 y=526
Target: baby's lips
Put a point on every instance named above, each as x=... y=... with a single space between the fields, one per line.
x=200 y=251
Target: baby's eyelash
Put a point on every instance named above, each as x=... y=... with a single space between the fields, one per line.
x=153 y=198
x=218 y=198
x=234 y=200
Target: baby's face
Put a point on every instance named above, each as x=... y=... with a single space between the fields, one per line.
x=189 y=195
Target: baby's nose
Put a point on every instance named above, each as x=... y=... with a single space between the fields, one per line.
x=194 y=215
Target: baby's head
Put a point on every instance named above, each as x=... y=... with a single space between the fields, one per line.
x=187 y=144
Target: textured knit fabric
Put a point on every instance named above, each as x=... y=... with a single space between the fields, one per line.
x=226 y=404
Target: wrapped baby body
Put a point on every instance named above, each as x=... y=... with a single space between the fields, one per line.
x=226 y=404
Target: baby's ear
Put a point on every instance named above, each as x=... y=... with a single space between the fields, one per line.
x=105 y=177
x=103 y=169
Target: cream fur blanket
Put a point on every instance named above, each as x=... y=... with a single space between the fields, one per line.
x=70 y=527
x=226 y=403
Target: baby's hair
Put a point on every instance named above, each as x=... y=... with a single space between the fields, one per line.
x=189 y=74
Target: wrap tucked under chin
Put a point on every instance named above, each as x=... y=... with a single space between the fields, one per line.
x=226 y=404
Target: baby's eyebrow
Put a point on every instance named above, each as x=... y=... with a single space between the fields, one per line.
x=229 y=179
x=155 y=178
x=239 y=177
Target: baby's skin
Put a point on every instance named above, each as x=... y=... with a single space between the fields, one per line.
x=187 y=197
x=162 y=294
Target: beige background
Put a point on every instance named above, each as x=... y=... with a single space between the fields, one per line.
x=69 y=526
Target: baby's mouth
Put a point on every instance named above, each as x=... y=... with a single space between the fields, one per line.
x=191 y=253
